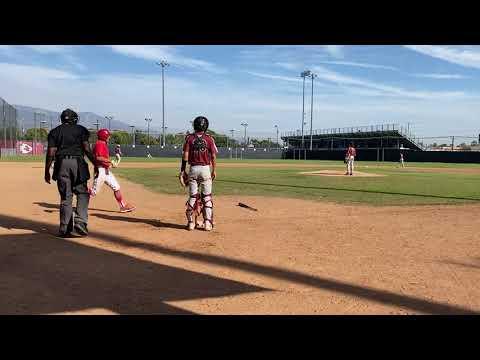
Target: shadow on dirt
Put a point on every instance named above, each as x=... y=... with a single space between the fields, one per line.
x=57 y=207
x=467 y=265
x=40 y=267
x=44 y=274
x=152 y=222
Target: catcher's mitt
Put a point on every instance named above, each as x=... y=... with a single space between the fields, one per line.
x=183 y=178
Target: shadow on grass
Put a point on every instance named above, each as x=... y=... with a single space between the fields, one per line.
x=349 y=190
x=84 y=264
x=152 y=222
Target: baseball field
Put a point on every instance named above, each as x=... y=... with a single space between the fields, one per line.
x=387 y=240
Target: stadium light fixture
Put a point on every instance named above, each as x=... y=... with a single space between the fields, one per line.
x=109 y=118
x=163 y=64
x=304 y=75
x=148 y=120
x=313 y=76
x=245 y=125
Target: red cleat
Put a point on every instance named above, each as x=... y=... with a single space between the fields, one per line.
x=127 y=208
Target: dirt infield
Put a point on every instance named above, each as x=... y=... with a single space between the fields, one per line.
x=338 y=173
x=290 y=257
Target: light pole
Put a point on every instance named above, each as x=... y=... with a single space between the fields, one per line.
x=42 y=123
x=233 y=140
x=276 y=127
x=96 y=123
x=163 y=64
x=304 y=75
x=148 y=120
x=133 y=135
x=35 y=132
x=109 y=118
x=313 y=76
x=245 y=125
x=4 y=125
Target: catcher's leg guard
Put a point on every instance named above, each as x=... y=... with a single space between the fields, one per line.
x=192 y=205
x=207 y=210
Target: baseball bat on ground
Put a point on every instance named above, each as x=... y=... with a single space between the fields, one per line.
x=246 y=206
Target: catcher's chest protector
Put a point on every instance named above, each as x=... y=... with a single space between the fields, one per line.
x=199 y=144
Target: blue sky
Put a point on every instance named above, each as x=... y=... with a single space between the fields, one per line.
x=435 y=88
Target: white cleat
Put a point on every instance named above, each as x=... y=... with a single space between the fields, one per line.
x=191 y=226
x=208 y=226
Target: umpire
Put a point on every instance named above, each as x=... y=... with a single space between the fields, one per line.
x=67 y=145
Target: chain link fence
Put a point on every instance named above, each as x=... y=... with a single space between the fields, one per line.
x=9 y=129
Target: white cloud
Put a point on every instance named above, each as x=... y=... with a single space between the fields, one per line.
x=132 y=97
x=441 y=76
x=385 y=90
x=34 y=73
x=468 y=56
x=356 y=64
x=274 y=77
x=165 y=52
x=336 y=51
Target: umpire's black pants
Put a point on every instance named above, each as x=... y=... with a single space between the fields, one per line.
x=68 y=184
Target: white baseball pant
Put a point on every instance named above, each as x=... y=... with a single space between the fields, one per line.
x=350 y=162
x=200 y=185
x=102 y=177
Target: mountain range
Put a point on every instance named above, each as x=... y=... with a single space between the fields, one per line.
x=26 y=119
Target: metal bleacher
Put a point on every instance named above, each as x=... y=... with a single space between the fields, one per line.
x=374 y=136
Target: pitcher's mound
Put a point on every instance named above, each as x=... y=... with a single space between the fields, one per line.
x=339 y=173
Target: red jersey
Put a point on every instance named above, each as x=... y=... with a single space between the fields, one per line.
x=101 y=149
x=200 y=148
x=351 y=151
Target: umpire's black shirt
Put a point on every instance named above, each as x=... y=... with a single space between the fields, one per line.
x=68 y=139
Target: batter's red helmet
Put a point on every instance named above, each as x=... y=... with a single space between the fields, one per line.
x=103 y=134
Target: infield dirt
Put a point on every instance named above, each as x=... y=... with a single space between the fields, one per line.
x=290 y=257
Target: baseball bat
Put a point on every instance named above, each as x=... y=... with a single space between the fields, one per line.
x=246 y=206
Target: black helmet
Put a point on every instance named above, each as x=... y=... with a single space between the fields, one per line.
x=69 y=116
x=200 y=123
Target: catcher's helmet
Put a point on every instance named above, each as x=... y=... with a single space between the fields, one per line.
x=69 y=116
x=200 y=123
x=103 y=134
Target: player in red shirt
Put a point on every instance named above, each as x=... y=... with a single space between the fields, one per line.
x=200 y=152
x=350 y=158
x=103 y=172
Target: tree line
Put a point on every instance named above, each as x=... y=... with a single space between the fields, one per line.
x=142 y=138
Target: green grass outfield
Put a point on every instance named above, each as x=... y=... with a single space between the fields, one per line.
x=398 y=187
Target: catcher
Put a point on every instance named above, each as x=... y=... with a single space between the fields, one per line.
x=200 y=151
x=103 y=174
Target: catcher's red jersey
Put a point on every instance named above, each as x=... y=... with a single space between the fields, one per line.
x=200 y=148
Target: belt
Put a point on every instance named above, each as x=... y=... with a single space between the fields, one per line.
x=70 y=157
